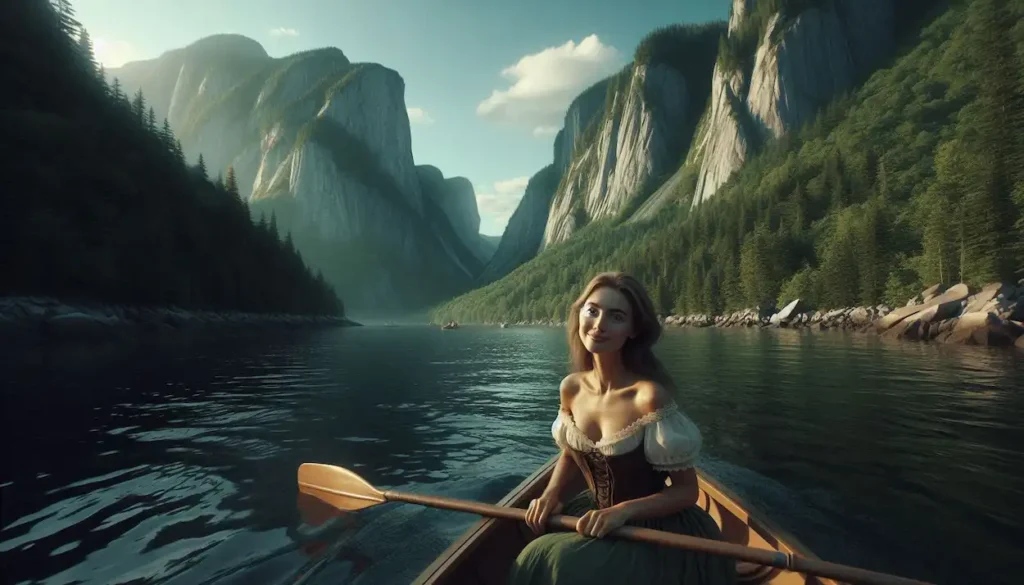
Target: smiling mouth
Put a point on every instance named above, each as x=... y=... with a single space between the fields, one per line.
x=598 y=338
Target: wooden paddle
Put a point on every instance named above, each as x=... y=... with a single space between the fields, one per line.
x=345 y=490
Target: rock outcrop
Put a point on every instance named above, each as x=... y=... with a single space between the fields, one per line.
x=326 y=145
x=455 y=199
x=46 y=319
x=799 y=64
x=630 y=149
x=524 y=233
x=992 y=316
x=525 y=230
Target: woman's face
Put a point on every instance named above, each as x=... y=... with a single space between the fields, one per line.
x=606 y=321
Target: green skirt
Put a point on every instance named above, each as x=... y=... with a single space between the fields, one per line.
x=567 y=558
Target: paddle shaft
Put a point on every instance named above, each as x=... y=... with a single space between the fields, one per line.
x=777 y=559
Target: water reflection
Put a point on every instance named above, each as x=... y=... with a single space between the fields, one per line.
x=175 y=463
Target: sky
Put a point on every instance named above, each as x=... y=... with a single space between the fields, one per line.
x=487 y=83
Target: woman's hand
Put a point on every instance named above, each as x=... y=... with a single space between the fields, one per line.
x=598 y=523
x=540 y=509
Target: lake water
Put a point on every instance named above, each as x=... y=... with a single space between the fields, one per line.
x=175 y=463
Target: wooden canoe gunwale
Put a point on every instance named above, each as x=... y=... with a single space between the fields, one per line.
x=460 y=550
x=449 y=562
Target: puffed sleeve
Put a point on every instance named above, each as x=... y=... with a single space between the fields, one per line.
x=672 y=443
x=558 y=429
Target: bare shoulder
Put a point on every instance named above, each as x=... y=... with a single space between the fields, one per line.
x=650 y=396
x=568 y=390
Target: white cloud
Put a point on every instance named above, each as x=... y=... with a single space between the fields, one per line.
x=498 y=202
x=545 y=131
x=283 y=32
x=419 y=116
x=512 y=186
x=545 y=83
x=113 y=54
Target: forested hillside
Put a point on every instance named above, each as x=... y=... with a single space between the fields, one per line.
x=916 y=177
x=99 y=204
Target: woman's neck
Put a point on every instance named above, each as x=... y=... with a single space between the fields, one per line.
x=609 y=372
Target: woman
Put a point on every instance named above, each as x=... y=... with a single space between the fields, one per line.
x=619 y=426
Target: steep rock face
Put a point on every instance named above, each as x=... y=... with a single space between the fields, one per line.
x=581 y=113
x=525 y=230
x=181 y=79
x=351 y=169
x=740 y=10
x=325 y=144
x=455 y=198
x=722 y=142
x=632 y=147
x=371 y=107
x=800 y=63
x=272 y=104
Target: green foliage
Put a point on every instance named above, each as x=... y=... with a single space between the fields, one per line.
x=109 y=212
x=906 y=181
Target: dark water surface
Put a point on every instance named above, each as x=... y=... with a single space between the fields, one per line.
x=175 y=463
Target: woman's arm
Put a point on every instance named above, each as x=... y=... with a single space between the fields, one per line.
x=565 y=471
x=680 y=495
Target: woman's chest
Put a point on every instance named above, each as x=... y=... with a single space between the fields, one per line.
x=603 y=418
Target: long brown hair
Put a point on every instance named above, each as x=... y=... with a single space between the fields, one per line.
x=637 y=353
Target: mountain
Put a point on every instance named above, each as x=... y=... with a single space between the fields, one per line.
x=866 y=167
x=99 y=205
x=324 y=145
x=620 y=138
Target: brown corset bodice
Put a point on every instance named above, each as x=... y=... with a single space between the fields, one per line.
x=617 y=478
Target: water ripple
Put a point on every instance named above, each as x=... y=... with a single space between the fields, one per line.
x=177 y=466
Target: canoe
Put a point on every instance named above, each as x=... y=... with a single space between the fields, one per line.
x=484 y=552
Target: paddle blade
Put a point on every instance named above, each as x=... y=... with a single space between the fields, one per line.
x=338 y=487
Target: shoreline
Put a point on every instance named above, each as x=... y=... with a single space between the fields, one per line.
x=44 y=319
x=992 y=316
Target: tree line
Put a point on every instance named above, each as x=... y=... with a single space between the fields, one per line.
x=917 y=177
x=102 y=205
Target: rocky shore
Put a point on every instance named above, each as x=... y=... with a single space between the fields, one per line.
x=45 y=319
x=991 y=316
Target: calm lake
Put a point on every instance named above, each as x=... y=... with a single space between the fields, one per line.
x=175 y=463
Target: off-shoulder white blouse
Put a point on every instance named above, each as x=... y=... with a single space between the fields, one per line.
x=671 y=441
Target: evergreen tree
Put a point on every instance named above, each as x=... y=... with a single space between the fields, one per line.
x=231 y=184
x=179 y=152
x=139 y=107
x=201 y=166
x=66 y=20
x=167 y=136
x=151 y=120
x=86 y=50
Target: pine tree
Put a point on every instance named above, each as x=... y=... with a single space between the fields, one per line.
x=272 y=228
x=115 y=91
x=990 y=215
x=85 y=48
x=66 y=18
x=139 y=107
x=167 y=136
x=179 y=152
x=151 y=120
x=231 y=184
x=201 y=166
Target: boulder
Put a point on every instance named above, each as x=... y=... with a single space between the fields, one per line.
x=791 y=310
x=993 y=291
x=949 y=303
x=932 y=291
x=984 y=329
x=860 y=316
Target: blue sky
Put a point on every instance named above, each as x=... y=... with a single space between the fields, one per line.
x=486 y=81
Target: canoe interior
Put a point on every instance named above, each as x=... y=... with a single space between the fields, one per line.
x=483 y=554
